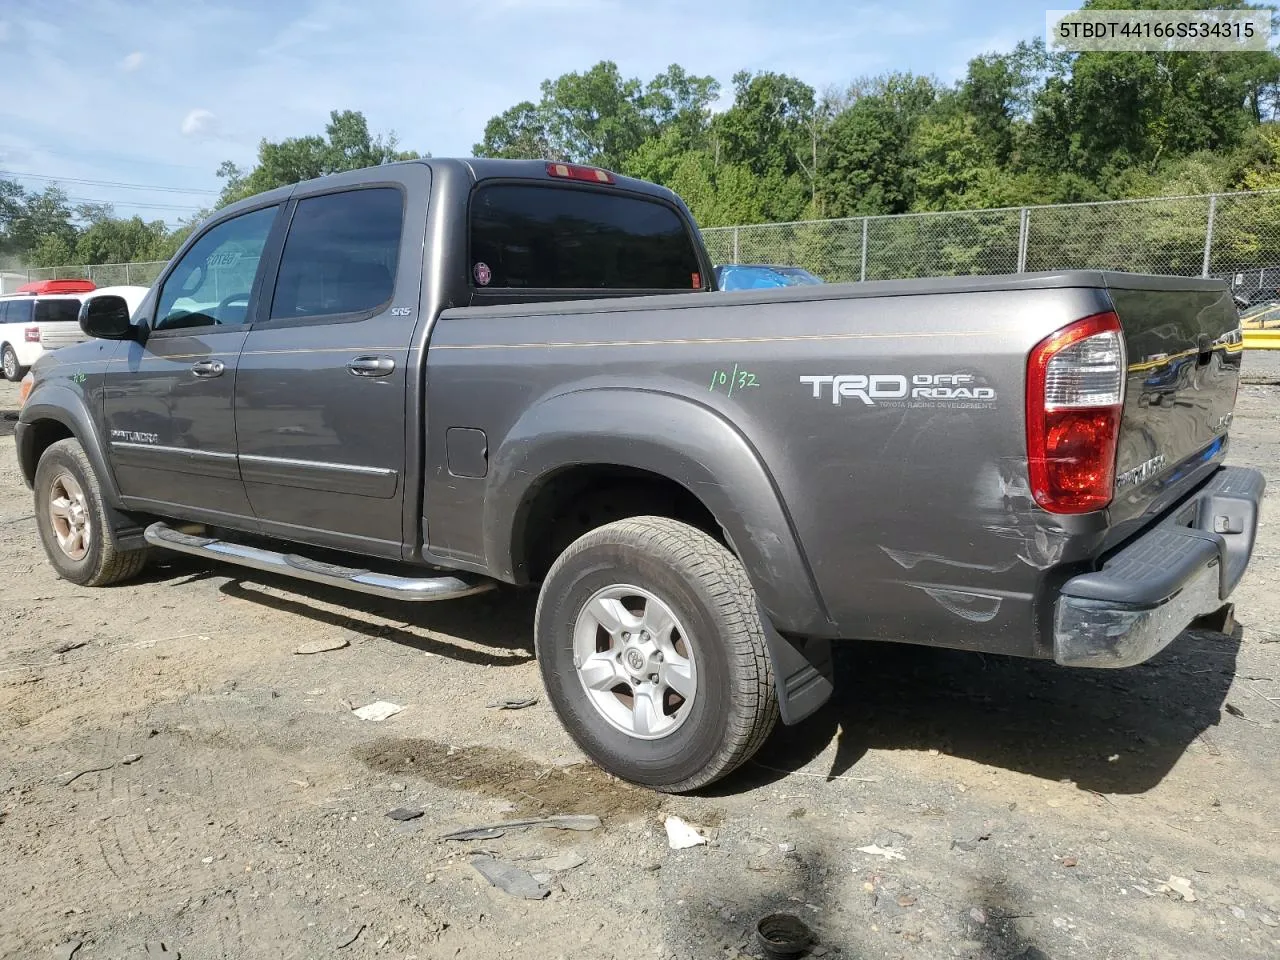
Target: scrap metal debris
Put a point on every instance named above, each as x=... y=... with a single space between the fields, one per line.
x=510 y=878
x=70 y=645
x=322 y=646
x=69 y=777
x=404 y=813
x=889 y=853
x=1179 y=885
x=681 y=836
x=353 y=938
x=377 y=711
x=969 y=845
x=513 y=703
x=560 y=862
x=490 y=831
x=783 y=935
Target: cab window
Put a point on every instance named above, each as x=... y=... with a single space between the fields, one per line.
x=211 y=284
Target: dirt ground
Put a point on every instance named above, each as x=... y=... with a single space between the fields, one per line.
x=1022 y=810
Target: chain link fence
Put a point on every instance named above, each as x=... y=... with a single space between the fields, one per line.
x=1233 y=236
x=102 y=274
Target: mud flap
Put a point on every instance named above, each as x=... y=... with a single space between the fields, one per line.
x=802 y=673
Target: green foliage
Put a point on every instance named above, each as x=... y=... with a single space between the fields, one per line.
x=51 y=250
x=600 y=117
x=1023 y=127
x=347 y=145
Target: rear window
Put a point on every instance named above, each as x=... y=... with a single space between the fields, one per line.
x=544 y=237
x=57 y=311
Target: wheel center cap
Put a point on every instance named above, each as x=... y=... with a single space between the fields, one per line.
x=635 y=660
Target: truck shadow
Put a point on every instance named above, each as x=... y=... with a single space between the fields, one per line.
x=499 y=620
x=1108 y=731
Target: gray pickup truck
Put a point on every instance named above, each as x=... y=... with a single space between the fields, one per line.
x=429 y=378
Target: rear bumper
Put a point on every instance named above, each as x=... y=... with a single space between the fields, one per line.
x=1150 y=590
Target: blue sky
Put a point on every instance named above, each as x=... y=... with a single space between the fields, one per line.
x=159 y=93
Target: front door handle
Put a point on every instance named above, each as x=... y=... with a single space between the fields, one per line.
x=371 y=366
x=208 y=368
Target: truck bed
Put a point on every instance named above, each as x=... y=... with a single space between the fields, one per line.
x=912 y=514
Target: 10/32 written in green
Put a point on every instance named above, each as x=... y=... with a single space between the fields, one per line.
x=729 y=381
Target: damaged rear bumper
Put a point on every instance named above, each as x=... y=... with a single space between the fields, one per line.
x=1149 y=591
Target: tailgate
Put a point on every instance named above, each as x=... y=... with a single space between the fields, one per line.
x=61 y=334
x=1182 y=338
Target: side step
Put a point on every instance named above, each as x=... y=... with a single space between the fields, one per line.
x=447 y=587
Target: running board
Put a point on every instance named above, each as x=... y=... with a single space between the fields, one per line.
x=447 y=587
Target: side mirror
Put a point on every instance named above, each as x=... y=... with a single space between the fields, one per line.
x=106 y=318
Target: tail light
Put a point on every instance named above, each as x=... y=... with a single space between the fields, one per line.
x=1075 y=390
x=573 y=171
x=31 y=334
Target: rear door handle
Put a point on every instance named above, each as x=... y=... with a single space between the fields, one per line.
x=371 y=366
x=208 y=368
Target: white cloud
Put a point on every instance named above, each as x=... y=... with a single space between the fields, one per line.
x=132 y=62
x=199 y=123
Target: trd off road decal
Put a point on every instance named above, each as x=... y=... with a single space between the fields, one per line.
x=954 y=390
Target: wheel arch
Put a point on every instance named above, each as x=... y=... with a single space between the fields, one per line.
x=673 y=444
x=56 y=413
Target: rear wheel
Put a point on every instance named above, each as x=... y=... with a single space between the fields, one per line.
x=71 y=515
x=9 y=365
x=651 y=648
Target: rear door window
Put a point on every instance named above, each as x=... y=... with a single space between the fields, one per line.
x=341 y=254
x=564 y=238
x=19 y=311
x=57 y=311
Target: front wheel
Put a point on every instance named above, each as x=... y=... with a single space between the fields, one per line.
x=651 y=648
x=13 y=371
x=71 y=515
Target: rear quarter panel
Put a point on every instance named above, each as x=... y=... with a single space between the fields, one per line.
x=912 y=512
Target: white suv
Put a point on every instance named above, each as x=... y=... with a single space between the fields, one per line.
x=33 y=321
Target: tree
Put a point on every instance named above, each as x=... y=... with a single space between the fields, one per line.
x=347 y=145
x=111 y=240
x=41 y=215
x=519 y=133
x=598 y=117
x=51 y=250
x=949 y=162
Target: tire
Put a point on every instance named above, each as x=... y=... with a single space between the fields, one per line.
x=66 y=484
x=9 y=366
x=656 y=567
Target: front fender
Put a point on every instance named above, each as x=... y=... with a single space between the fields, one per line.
x=53 y=400
x=673 y=437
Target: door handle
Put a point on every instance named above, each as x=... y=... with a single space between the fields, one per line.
x=208 y=368
x=371 y=366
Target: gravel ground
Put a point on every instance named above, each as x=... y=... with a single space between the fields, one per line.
x=1018 y=809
